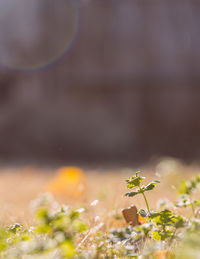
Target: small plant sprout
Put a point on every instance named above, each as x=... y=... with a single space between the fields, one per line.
x=135 y=183
x=163 y=225
x=186 y=191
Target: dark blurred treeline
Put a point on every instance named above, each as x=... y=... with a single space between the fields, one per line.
x=126 y=90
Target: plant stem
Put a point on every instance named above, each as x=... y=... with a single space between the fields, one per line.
x=172 y=238
x=192 y=206
x=145 y=199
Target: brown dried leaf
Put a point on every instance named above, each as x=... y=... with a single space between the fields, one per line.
x=131 y=216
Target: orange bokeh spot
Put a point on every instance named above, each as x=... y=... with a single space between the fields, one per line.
x=163 y=254
x=68 y=181
x=141 y=219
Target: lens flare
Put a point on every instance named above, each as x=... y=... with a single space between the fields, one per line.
x=36 y=33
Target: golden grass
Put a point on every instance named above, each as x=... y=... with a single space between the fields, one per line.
x=19 y=186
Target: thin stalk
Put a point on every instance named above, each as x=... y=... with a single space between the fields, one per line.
x=145 y=199
x=172 y=238
x=192 y=206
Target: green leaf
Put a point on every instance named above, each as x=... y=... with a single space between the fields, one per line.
x=14 y=228
x=197 y=178
x=153 y=215
x=132 y=194
x=151 y=185
x=166 y=234
x=79 y=226
x=197 y=202
x=74 y=214
x=42 y=215
x=134 y=181
x=179 y=222
x=68 y=249
x=43 y=229
x=183 y=188
x=156 y=235
x=142 y=213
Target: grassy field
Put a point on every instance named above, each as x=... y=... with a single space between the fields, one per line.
x=101 y=193
x=19 y=186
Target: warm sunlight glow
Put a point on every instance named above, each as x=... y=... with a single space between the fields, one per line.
x=68 y=181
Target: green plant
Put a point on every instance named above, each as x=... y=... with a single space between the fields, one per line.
x=164 y=224
x=186 y=191
x=135 y=183
x=54 y=236
x=61 y=233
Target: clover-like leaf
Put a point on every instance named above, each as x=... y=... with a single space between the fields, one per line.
x=153 y=215
x=180 y=223
x=184 y=188
x=132 y=193
x=151 y=185
x=161 y=234
x=134 y=181
x=14 y=228
x=165 y=218
x=156 y=235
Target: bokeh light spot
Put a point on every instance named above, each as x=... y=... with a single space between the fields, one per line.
x=36 y=33
x=69 y=182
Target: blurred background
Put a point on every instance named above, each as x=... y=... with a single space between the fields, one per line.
x=99 y=81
